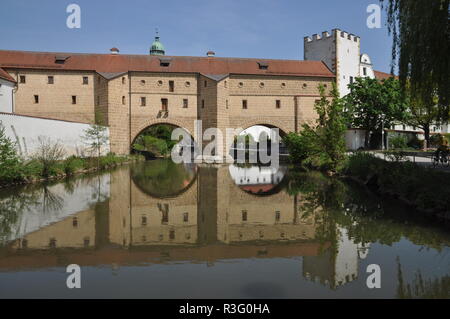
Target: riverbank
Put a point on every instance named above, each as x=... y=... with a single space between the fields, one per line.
x=424 y=189
x=32 y=171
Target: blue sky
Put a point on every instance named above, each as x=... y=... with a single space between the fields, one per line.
x=232 y=28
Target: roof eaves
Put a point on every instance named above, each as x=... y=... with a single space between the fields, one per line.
x=112 y=75
x=5 y=76
x=216 y=77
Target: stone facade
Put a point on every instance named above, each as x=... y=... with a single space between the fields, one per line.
x=55 y=100
x=129 y=102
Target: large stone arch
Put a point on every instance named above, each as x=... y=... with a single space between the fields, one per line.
x=264 y=121
x=284 y=125
x=186 y=124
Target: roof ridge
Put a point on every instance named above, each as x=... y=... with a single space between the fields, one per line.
x=157 y=57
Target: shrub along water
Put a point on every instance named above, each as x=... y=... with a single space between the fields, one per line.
x=35 y=169
x=424 y=188
x=48 y=162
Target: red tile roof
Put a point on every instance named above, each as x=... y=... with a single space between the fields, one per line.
x=382 y=75
x=122 y=63
x=5 y=75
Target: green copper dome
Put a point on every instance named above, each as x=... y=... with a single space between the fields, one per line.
x=157 y=47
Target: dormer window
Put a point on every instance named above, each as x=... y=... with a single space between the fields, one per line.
x=61 y=59
x=164 y=62
x=263 y=65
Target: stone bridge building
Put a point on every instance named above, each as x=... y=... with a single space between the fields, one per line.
x=129 y=93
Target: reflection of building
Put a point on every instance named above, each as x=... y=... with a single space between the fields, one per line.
x=212 y=219
x=336 y=269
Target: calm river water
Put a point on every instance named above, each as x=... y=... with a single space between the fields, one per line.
x=161 y=230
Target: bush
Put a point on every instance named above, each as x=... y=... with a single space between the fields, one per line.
x=415 y=143
x=298 y=147
x=48 y=154
x=11 y=168
x=72 y=164
x=436 y=140
x=398 y=142
x=426 y=188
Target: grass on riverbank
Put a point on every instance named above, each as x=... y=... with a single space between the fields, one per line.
x=424 y=188
x=34 y=170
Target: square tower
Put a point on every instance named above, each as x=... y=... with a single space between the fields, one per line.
x=340 y=51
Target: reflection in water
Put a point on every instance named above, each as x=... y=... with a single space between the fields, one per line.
x=258 y=180
x=158 y=213
x=163 y=178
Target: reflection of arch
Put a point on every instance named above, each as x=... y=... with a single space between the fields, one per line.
x=260 y=188
x=139 y=181
x=274 y=190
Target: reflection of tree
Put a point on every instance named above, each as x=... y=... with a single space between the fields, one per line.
x=162 y=177
x=11 y=207
x=318 y=193
x=51 y=202
x=438 y=288
x=97 y=193
x=361 y=213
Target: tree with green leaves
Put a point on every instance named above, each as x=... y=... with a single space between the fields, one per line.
x=423 y=115
x=373 y=104
x=10 y=162
x=96 y=137
x=321 y=145
x=421 y=33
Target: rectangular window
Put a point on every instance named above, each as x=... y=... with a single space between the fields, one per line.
x=74 y=99
x=203 y=104
x=164 y=105
x=226 y=104
x=244 y=215
x=22 y=79
x=85 y=80
x=36 y=99
x=277 y=216
x=351 y=80
x=365 y=71
x=278 y=104
x=123 y=80
x=171 y=86
x=172 y=235
x=185 y=217
x=244 y=104
x=185 y=103
x=144 y=221
x=206 y=83
x=50 y=79
x=143 y=101
x=123 y=100
x=52 y=243
x=98 y=100
x=165 y=217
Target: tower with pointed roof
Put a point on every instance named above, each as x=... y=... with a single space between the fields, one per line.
x=157 y=47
